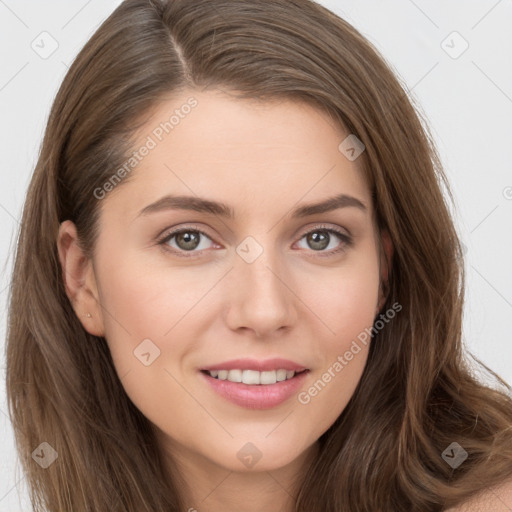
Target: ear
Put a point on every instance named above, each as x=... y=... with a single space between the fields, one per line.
x=79 y=280
x=386 y=259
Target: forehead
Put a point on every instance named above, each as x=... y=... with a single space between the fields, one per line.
x=212 y=144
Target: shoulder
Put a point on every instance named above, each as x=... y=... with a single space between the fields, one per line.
x=495 y=499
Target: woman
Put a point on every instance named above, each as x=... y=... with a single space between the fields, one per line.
x=238 y=285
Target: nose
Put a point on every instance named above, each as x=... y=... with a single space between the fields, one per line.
x=260 y=296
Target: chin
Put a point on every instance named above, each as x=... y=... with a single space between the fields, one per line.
x=258 y=456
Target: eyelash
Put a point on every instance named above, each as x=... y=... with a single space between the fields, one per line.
x=347 y=241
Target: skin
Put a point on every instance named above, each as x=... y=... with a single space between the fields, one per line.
x=263 y=160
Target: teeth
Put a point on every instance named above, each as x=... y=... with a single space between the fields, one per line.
x=281 y=375
x=235 y=375
x=250 y=377
x=268 y=377
x=253 y=377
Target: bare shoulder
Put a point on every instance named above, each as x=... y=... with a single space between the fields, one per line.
x=495 y=499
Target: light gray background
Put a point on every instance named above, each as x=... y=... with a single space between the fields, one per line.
x=467 y=100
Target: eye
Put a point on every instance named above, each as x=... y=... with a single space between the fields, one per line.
x=322 y=238
x=185 y=240
x=193 y=240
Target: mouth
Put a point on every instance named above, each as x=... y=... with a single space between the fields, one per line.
x=251 y=389
x=254 y=377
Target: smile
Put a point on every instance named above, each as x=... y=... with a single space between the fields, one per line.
x=253 y=377
x=255 y=394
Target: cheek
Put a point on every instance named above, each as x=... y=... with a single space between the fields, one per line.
x=134 y=309
x=346 y=307
x=149 y=320
x=143 y=301
x=344 y=300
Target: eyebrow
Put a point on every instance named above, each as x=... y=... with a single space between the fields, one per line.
x=198 y=204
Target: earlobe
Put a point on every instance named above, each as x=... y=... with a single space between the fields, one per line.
x=79 y=279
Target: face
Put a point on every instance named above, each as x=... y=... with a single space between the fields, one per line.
x=177 y=287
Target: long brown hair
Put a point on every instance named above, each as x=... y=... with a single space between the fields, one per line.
x=417 y=394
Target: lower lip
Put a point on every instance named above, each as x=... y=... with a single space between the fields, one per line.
x=257 y=396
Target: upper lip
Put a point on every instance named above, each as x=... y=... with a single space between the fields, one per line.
x=260 y=366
